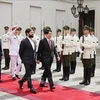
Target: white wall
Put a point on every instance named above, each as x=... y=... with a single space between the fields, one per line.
x=21 y=12
x=5 y=15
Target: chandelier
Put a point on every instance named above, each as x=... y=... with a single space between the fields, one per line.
x=79 y=9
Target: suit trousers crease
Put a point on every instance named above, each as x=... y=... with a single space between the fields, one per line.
x=47 y=74
x=28 y=72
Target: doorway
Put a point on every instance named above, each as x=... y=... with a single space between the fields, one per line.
x=86 y=19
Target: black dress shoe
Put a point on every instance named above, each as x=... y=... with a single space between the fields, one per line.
x=33 y=72
x=92 y=75
x=87 y=83
x=33 y=91
x=83 y=82
x=66 y=79
x=55 y=70
x=17 y=76
x=41 y=68
x=52 y=88
x=0 y=81
x=43 y=85
x=61 y=79
x=20 y=84
x=14 y=78
x=58 y=70
x=5 y=68
x=72 y=72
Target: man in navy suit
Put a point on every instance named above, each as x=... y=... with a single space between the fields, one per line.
x=45 y=54
x=27 y=54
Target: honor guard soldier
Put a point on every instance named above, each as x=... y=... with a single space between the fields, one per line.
x=0 y=58
x=5 y=46
x=36 y=37
x=75 y=43
x=95 y=41
x=58 y=42
x=66 y=53
x=37 y=40
x=86 y=42
x=19 y=35
x=20 y=38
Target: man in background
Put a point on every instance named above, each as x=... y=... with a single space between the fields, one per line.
x=5 y=46
x=37 y=40
x=58 y=42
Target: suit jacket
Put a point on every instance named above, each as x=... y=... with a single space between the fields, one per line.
x=26 y=52
x=45 y=54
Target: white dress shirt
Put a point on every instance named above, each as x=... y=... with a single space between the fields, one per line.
x=32 y=43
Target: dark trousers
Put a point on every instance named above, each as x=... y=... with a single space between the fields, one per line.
x=0 y=68
x=93 y=66
x=7 y=57
x=27 y=76
x=73 y=62
x=66 y=60
x=87 y=69
x=58 y=63
x=47 y=74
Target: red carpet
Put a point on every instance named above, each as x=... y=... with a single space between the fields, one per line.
x=60 y=93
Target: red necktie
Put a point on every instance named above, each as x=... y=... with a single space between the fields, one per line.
x=49 y=43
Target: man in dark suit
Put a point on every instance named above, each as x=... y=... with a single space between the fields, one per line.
x=45 y=54
x=27 y=53
x=0 y=59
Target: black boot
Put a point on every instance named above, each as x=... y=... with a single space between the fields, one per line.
x=88 y=81
x=64 y=69
x=8 y=62
x=73 y=67
x=67 y=73
x=59 y=66
x=85 y=76
x=93 y=70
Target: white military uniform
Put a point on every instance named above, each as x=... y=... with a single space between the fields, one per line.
x=75 y=43
x=37 y=40
x=14 y=52
x=88 y=46
x=67 y=45
x=95 y=41
x=58 y=43
x=5 y=42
